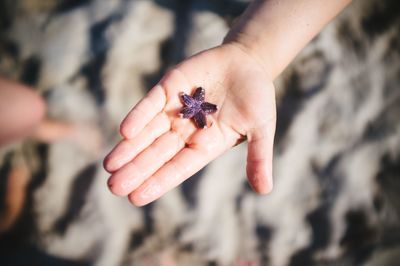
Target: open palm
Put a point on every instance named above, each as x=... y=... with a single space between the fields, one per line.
x=160 y=149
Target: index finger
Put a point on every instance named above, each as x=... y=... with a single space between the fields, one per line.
x=143 y=112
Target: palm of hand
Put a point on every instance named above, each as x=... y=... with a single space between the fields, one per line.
x=160 y=149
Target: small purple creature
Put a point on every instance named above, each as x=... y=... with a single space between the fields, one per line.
x=196 y=108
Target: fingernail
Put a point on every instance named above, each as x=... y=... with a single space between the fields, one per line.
x=109 y=183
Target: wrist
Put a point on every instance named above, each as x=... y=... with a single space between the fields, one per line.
x=273 y=32
x=250 y=37
x=244 y=50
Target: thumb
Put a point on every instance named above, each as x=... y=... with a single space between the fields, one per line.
x=259 y=158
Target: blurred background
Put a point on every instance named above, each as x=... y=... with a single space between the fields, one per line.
x=337 y=149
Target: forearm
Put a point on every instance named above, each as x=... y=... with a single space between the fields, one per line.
x=274 y=31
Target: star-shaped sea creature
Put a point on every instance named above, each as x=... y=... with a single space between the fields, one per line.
x=196 y=108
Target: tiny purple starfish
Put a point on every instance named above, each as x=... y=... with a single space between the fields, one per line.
x=196 y=108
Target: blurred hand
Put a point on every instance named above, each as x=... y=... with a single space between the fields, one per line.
x=160 y=149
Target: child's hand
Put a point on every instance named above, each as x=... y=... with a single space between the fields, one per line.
x=160 y=149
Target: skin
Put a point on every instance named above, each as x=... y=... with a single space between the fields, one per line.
x=21 y=109
x=15 y=197
x=160 y=150
x=22 y=115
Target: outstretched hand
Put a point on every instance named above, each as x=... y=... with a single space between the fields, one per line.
x=160 y=149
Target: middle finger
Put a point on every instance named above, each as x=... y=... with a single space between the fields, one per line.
x=134 y=173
